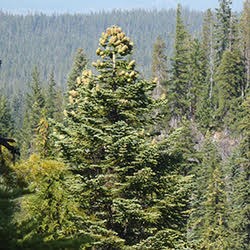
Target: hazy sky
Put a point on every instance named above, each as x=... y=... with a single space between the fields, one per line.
x=83 y=6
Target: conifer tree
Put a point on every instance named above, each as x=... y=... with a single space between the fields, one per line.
x=49 y=215
x=9 y=195
x=198 y=77
x=6 y=121
x=159 y=65
x=214 y=231
x=234 y=36
x=179 y=80
x=208 y=220
x=205 y=108
x=222 y=38
x=9 y=192
x=42 y=144
x=35 y=99
x=128 y=188
x=231 y=86
x=79 y=64
x=222 y=28
x=245 y=37
x=17 y=107
x=239 y=166
x=51 y=104
x=50 y=114
x=208 y=38
x=35 y=104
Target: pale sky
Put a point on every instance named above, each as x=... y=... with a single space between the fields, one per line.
x=86 y=6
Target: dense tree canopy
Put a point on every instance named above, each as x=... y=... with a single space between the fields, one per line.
x=112 y=161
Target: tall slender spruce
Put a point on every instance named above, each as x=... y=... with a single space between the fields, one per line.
x=179 y=80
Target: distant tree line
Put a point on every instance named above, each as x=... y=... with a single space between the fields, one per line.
x=50 y=41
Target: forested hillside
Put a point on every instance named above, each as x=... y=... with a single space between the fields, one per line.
x=147 y=146
x=50 y=42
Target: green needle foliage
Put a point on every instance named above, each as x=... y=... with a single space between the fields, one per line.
x=6 y=121
x=179 y=80
x=35 y=104
x=239 y=186
x=197 y=86
x=208 y=228
x=127 y=186
x=231 y=86
x=134 y=164
x=80 y=62
x=159 y=66
x=223 y=28
x=49 y=216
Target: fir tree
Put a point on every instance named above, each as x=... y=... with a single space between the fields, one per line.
x=51 y=104
x=9 y=191
x=49 y=215
x=231 y=85
x=208 y=38
x=10 y=194
x=245 y=34
x=79 y=64
x=234 y=36
x=105 y=138
x=208 y=220
x=41 y=137
x=197 y=85
x=223 y=28
x=205 y=107
x=17 y=107
x=239 y=185
x=50 y=114
x=6 y=121
x=179 y=80
x=159 y=65
x=35 y=104
x=35 y=99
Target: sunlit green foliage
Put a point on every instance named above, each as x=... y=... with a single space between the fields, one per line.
x=126 y=166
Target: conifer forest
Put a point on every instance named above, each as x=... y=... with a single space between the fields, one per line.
x=125 y=130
